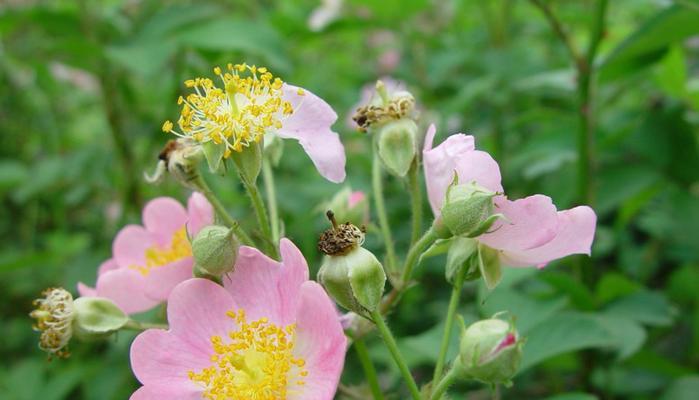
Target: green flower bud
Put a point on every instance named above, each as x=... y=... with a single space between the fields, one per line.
x=350 y=206
x=215 y=250
x=468 y=210
x=352 y=275
x=490 y=351
x=97 y=317
x=397 y=145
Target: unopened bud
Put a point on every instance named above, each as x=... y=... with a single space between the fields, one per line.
x=348 y=205
x=490 y=351
x=468 y=210
x=397 y=145
x=352 y=275
x=215 y=250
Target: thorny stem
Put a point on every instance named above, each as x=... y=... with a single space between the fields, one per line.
x=444 y=384
x=369 y=370
x=390 y=342
x=262 y=218
x=142 y=326
x=449 y=322
x=270 y=191
x=238 y=230
x=377 y=187
x=415 y=199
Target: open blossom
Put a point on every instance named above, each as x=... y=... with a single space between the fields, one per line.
x=533 y=232
x=149 y=261
x=253 y=103
x=269 y=333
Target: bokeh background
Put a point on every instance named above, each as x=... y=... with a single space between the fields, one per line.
x=85 y=86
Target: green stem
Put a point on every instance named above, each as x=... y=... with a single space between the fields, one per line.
x=270 y=189
x=395 y=353
x=369 y=370
x=262 y=219
x=416 y=200
x=414 y=255
x=377 y=187
x=444 y=384
x=142 y=326
x=238 y=230
x=449 y=323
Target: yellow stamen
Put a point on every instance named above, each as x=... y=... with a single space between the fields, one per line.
x=254 y=362
x=157 y=256
x=54 y=316
x=249 y=105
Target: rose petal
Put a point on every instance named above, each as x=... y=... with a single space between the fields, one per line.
x=162 y=217
x=161 y=280
x=529 y=223
x=126 y=288
x=165 y=392
x=310 y=124
x=161 y=359
x=575 y=235
x=196 y=311
x=107 y=266
x=130 y=245
x=320 y=341
x=200 y=212
x=87 y=291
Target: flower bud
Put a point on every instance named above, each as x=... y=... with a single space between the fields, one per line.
x=249 y=162
x=179 y=158
x=397 y=145
x=490 y=351
x=215 y=250
x=352 y=275
x=350 y=206
x=468 y=209
x=59 y=318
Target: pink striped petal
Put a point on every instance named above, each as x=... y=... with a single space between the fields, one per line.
x=200 y=213
x=529 y=223
x=310 y=124
x=162 y=217
x=321 y=342
x=575 y=235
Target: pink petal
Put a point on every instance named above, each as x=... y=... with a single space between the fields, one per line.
x=130 y=245
x=310 y=124
x=356 y=197
x=165 y=392
x=320 y=341
x=163 y=217
x=201 y=213
x=456 y=154
x=196 y=310
x=529 y=223
x=86 y=291
x=161 y=280
x=108 y=265
x=160 y=359
x=575 y=235
x=126 y=288
x=255 y=273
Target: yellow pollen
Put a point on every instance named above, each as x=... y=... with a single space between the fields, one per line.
x=254 y=362
x=157 y=256
x=236 y=116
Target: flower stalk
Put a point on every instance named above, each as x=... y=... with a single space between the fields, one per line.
x=449 y=322
x=377 y=187
x=369 y=370
x=270 y=191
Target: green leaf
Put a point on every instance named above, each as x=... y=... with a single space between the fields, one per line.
x=573 y=396
x=646 y=307
x=614 y=285
x=685 y=388
x=650 y=41
x=528 y=312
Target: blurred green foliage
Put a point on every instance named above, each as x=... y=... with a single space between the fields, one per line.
x=85 y=86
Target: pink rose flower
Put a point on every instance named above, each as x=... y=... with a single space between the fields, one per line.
x=149 y=261
x=533 y=231
x=268 y=333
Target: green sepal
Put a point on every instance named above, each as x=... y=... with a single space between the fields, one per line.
x=485 y=225
x=273 y=148
x=490 y=266
x=97 y=316
x=214 y=156
x=439 y=247
x=459 y=256
x=397 y=145
x=249 y=162
x=367 y=280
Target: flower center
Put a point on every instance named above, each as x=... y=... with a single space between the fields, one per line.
x=249 y=104
x=54 y=318
x=157 y=256
x=254 y=362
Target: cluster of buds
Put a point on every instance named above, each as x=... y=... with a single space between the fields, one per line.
x=59 y=318
x=352 y=275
